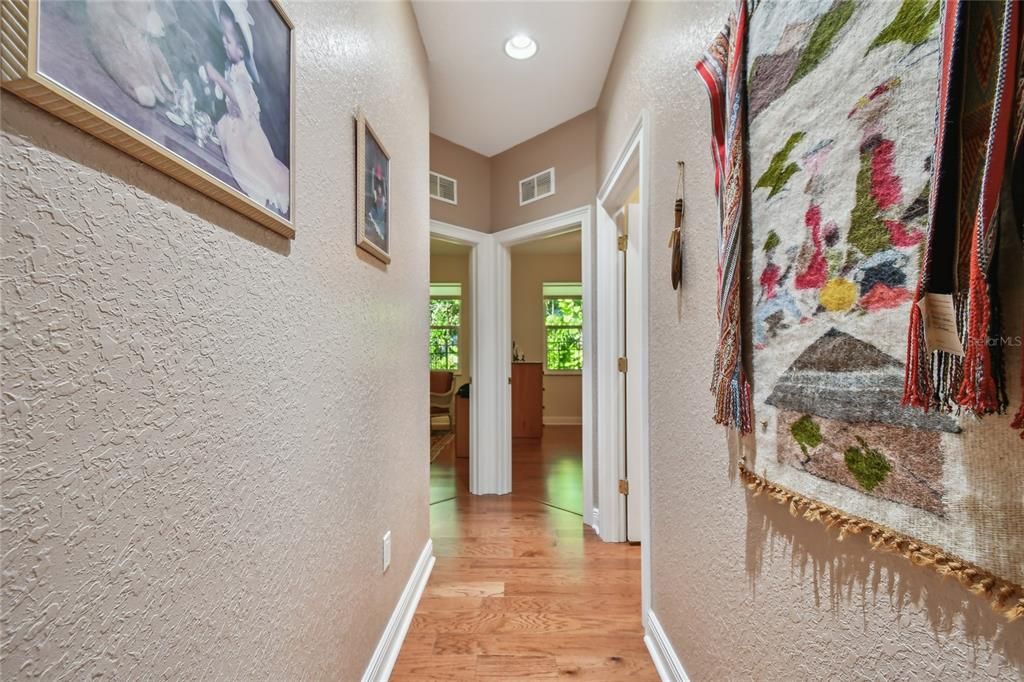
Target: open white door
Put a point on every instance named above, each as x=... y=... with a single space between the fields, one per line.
x=622 y=395
x=623 y=447
x=633 y=464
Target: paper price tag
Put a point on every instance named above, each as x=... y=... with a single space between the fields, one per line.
x=939 y=316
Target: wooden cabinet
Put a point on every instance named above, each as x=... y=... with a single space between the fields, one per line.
x=527 y=399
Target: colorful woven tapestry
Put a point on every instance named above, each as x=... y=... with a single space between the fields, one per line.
x=722 y=70
x=973 y=142
x=842 y=109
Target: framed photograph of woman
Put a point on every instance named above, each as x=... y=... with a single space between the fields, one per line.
x=373 y=192
x=201 y=90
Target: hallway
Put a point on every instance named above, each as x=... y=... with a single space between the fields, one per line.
x=737 y=282
x=521 y=588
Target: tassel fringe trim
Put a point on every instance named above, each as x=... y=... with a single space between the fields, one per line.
x=733 y=402
x=1005 y=597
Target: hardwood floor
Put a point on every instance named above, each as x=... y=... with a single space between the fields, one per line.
x=446 y=475
x=550 y=469
x=520 y=589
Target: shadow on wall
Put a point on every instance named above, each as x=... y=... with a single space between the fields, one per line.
x=25 y=124
x=843 y=574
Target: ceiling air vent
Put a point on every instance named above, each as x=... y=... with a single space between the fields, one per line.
x=443 y=188
x=537 y=186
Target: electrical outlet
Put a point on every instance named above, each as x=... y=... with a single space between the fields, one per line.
x=386 y=552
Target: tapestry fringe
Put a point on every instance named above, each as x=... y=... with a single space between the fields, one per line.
x=733 y=401
x=1004 y=596
x=918 y=389
x=978 y=388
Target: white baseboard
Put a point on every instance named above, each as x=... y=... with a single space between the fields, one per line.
x=592 y=521
x=665 y=659
x=386 y=653
x=563 y=421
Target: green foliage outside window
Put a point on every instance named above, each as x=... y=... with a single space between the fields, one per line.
x=563 y=329
x=445 y=318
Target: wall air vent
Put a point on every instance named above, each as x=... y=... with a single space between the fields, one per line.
x=444 y=188
x=537 y=187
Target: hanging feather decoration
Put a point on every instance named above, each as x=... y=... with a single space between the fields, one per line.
x=675 y=240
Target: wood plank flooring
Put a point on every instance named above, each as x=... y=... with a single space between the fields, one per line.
x=520 y=590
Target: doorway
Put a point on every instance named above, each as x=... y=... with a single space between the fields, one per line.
x=468 y=366
x=622 y=248
x=547 y=369
x=577 y=223
x=490 y=441
x=451 y=352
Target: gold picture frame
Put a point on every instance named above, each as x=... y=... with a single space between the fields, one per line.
x=377 y=212
x=20 y=75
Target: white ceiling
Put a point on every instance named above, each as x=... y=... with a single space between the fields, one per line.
x=482 y=99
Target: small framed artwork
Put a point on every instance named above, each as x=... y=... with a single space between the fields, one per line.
x=373 y=192
x=202 y=91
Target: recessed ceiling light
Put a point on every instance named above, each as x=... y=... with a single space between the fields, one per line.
x=520 y=46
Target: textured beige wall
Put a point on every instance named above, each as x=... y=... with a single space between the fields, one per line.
x=743 y=589
x=207 y=429
x=456 y=269
x=489 y=187
x=473 y=173
x=570 y=148
x=563 y=393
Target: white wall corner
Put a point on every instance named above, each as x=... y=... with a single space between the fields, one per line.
x=592 y=520
x=386 y=653
x=665 y=659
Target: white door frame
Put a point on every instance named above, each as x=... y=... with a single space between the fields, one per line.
x=578 y=218
x=490 y=399
x=631 y=169
x=480 y=374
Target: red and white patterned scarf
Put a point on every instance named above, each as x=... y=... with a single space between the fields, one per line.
x=722 y=68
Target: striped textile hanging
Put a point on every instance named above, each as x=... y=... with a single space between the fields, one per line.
x=973 y=138
x=723 y=72
x=1017 y=180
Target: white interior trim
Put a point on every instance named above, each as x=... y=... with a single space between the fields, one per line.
x=390 y=643
x=611 y=504
x=578 y=218
x=588 y=276
x=551 y=226
x=630 y=169
x=670 y=669
x=491 y=472
x=456 y=234
x=481 y=375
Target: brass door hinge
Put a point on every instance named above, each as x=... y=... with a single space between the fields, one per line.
x=623 y=365
x=623 y=486
x=623 y=240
